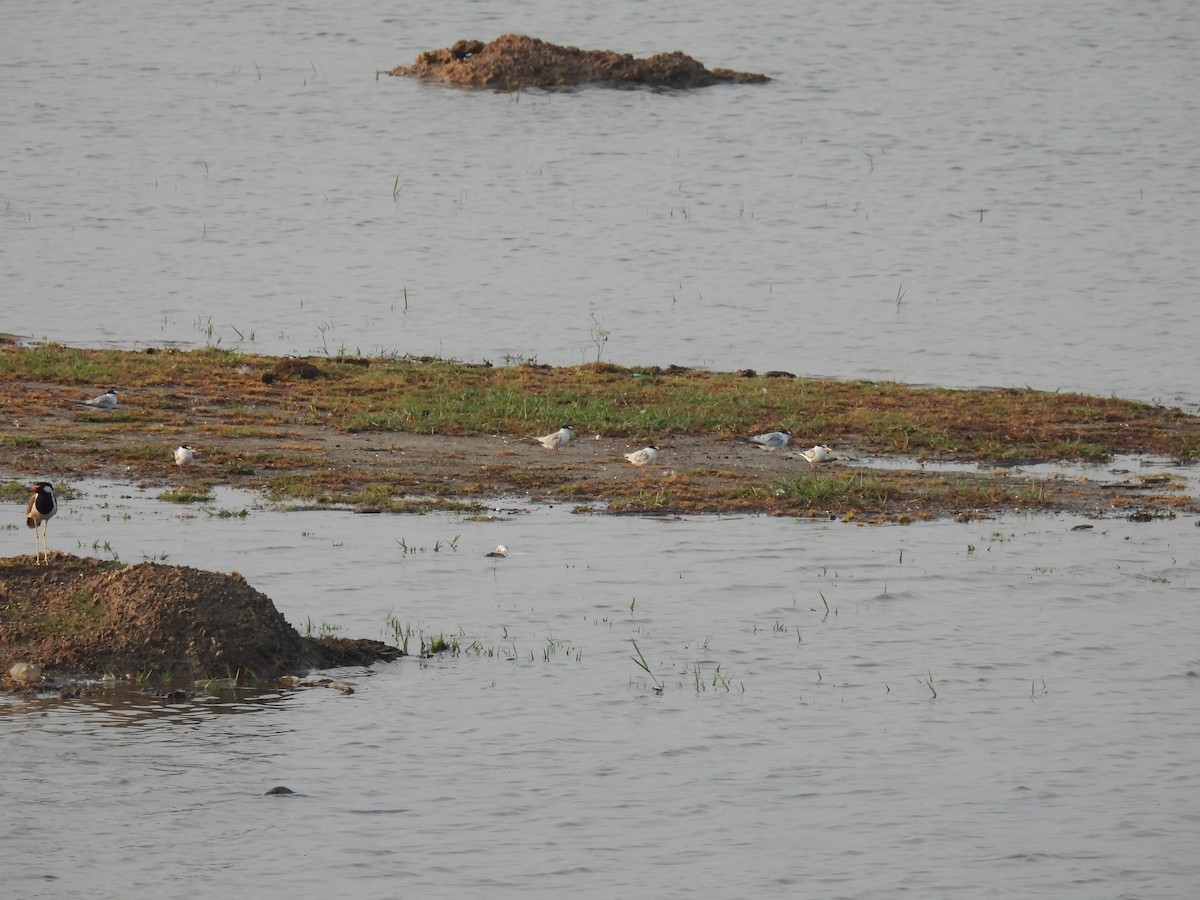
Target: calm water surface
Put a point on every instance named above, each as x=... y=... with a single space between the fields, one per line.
x=941 y=192
x=794 y=748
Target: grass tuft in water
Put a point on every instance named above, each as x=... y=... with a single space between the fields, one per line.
x=186 y=495
x=640 y=660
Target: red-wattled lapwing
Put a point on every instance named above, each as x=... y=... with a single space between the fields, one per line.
x=41 y=509
x=643 y=457
x=771 y=440
x=104 y=401
x=556 y=439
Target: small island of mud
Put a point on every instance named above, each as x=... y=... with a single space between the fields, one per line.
x=79 y=616
x=412 y=434
x=514 y=61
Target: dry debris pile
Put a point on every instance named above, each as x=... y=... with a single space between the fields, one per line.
x=514 y=61
x=85 y=616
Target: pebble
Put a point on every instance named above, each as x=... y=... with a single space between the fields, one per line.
x=25 y=673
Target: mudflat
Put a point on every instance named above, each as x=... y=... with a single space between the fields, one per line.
x=417 y=434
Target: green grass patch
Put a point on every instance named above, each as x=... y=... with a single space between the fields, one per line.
x=297 y=488
x=438 y=396
x=15 y=491
x=82 y=616
x=20 y=441
x=187 y=495
x=840 y=489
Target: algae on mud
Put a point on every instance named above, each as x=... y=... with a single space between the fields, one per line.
x=410 y=434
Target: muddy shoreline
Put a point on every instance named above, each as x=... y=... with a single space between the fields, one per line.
x=696 y=475
x=360 y=433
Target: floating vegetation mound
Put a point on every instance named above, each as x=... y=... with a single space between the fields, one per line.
x=515 y=61
x=89 y=616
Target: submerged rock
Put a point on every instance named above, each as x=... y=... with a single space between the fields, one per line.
x=515 y=61
x=25 y=674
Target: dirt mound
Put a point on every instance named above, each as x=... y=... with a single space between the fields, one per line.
x=515 y=61
x=86 y=616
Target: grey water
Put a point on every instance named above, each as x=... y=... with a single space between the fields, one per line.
x=1005 y=708
x=933 y=192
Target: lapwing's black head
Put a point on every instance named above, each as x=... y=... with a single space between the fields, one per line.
x=41 y=503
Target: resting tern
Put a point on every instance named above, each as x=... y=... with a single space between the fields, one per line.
x=104 y=401
x=184 y=456
x=643 y=457
x=556 y=439
x=771 y=440
x=817 y=454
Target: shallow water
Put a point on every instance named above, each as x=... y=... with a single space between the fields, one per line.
x=934 y=192
x=793 y=747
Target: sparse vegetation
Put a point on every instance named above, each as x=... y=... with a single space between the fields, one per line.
x=186 y=495
x=279 y=424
